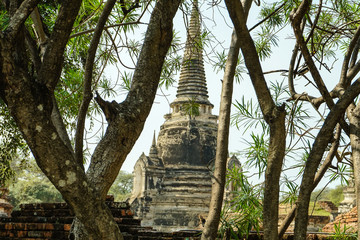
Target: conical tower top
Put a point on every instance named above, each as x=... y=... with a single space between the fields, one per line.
x=153 y=149
x=192 y=83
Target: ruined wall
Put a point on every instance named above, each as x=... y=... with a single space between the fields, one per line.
x=346 y=220
x=53 y=221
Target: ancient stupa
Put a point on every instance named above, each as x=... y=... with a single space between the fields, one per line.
x=172 y=185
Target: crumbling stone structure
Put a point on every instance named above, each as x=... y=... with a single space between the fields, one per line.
x=349 y=201
x=346 y=221
x=172 y=185
x=5 y=205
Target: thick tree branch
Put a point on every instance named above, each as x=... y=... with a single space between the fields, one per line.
x=273 y=115
x=52 y=64
x=58 y=122
x=35 y=16
x=87 y=94
x=355 y=53
x=252 y=62
x=132 y=113
x=353 y=71
x=34 y=53
x=353 y=113
x=19 y=17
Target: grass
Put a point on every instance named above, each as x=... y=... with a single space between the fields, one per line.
x=317 y=211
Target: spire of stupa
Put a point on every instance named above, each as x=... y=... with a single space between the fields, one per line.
x=192 y=83
x=153 y=149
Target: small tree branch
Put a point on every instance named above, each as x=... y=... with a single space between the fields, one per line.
x=106 y=27
x=296 y=21
x=110 y=109
x=344 y=82
x=267 y=17
x=87 y=95
x=115 y=25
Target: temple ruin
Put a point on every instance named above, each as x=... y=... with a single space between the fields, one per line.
x=172 y=185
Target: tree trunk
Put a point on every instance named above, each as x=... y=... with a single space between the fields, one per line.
x=219 y=178
x=107 y=228
x=272 y=174
x=354 y=119
x=218 y=184
x=104 y=227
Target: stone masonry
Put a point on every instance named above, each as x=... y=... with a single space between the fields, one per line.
x=172 y=185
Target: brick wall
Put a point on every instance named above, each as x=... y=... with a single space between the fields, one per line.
x=53 y=221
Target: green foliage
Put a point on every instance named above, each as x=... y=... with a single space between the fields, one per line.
x=243 y=213
x=4 y=18
x=122 y=186
x=334 y=195
x=172 y=63
x=342 y=233
x=341 y=172
x=220 y=63
x=290 y=196
x=265 y=39
x=248 y=115
x=12 y=145
x=191 y=108
x=257 y=152
x=32 y=186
